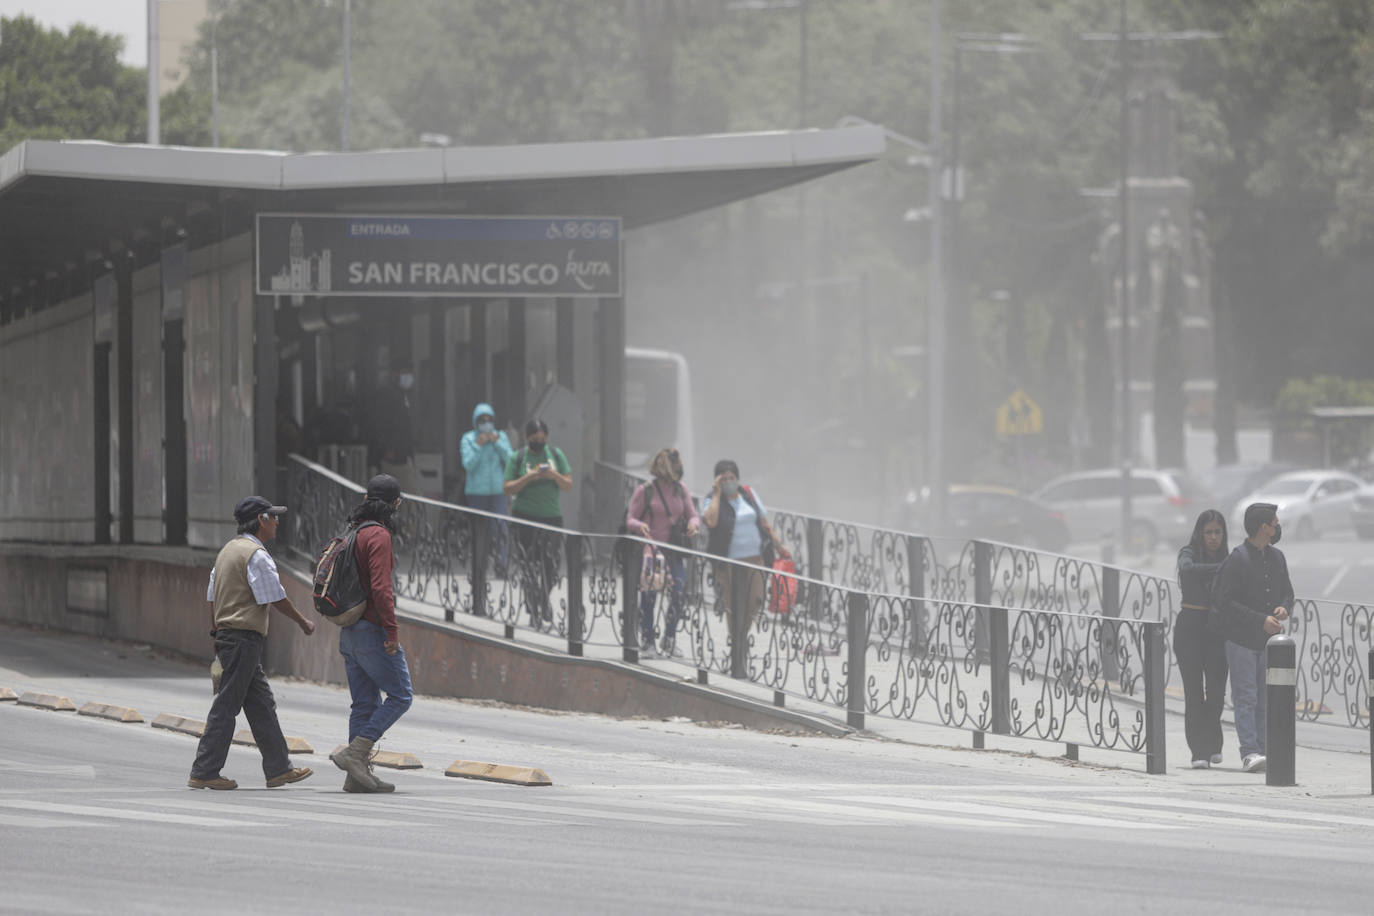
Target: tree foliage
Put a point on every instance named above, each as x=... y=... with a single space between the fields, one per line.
x=56 y=85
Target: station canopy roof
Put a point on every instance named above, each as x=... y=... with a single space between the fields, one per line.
x=62 y=203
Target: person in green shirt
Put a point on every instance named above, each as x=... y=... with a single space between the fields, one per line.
x=535 y=477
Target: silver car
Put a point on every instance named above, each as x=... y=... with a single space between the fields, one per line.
x=1311 y=503
x=1164 y=504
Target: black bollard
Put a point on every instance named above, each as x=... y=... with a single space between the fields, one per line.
x=1281 y=683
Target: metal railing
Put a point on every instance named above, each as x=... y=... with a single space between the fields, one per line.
x=946 y=658
x=1332 y=636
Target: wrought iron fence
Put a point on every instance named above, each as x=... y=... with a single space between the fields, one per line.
x=1331 y=636
x=882 y=649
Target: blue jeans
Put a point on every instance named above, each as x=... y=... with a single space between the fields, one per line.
x=1248 y=696
x=676 y=566
x=370 y=672
x=499 y=537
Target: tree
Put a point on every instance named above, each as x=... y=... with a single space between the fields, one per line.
x=57 y=86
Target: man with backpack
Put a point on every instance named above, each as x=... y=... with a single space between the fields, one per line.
x=243 y=584
x=371 y=647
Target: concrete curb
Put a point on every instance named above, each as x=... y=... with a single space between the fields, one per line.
x=498 y=772
x=106 y=711
x=47 y=701
x=392 y=759
x=293 y=745
x=7 y=695
x=193 y=727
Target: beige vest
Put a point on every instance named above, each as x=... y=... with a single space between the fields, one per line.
x=235 y=606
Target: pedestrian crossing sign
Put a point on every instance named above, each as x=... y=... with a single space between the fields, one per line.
x=1019 y=416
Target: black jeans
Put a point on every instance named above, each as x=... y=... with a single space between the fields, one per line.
x=538 y=553
x=243 y=687
x=1201 y=655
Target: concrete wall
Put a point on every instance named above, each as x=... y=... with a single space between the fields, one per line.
x=156 y=595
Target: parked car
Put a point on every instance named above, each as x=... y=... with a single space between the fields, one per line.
x=1229 y=483
x=1164 y=504
x=1310 y=503
x=1362 y=512
x=992 y=514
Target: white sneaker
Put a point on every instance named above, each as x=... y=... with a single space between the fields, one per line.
x=1253 y=763
x=1201 y=763
x=1217 y=760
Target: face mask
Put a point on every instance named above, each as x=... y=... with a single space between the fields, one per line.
x=485 y=427
x=730 y=488
x=1278 y=533
x=406 y=381
x=537 y=448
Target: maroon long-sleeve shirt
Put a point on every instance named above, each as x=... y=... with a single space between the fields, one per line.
x=375 y=563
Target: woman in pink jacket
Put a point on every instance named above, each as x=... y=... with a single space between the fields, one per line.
x=662 y=510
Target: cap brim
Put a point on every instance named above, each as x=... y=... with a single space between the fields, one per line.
x=275 y=510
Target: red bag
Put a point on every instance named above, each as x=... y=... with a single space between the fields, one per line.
x=784 y=586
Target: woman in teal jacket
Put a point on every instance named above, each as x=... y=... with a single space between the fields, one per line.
x=485 y=452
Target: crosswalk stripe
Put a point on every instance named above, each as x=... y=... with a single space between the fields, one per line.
x=1259 y=814
x=125 y=814
x=28 y=820
x=422 y=809
x=1005 y=810
x=1170 y=816
x=285 y=812
x=598 y=813
x=850 y=814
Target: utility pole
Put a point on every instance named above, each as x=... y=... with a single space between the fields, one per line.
x=347 y=69
x=214 y=81
x=1123 y=201
x=154 y=127
x=935 y=341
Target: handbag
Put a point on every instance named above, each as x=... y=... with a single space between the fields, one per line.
x=784 y=591
x=653 y=570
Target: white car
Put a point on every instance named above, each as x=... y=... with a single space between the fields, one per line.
x=1310 y=503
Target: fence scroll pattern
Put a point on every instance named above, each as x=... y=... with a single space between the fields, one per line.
x=865 y=647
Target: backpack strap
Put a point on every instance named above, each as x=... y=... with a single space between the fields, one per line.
x=666 y=511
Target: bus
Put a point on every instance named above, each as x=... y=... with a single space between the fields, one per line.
x=658 y=408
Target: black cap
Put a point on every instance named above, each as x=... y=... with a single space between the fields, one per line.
x=250 y=507
x=384 y=487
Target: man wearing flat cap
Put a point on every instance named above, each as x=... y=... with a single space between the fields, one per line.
x=243 y=584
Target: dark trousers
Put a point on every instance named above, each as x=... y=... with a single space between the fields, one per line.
x=1201 y=655
x=243 y=687
x=537 y=551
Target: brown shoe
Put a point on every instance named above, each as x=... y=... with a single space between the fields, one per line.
x=218 y=782
x=295 y=775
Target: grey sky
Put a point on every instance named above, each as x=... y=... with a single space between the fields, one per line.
x=121 y=17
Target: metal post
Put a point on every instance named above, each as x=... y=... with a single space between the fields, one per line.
x=982 y=596
x=632 y=552
x=1281 y=684
x=856 y=675
x=1124 y=538
x=740 y=613
x=935 y=341
x=1369 y=674
x=916 y=587
x=347 y=69
x=154 y=102
x=573 y=546
x=481 y=533
x=1108 y=637
x=999 y=668
x=1155 y=677
x=214 y=92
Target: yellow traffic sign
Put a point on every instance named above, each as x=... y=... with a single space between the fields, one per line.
x=1019 y=416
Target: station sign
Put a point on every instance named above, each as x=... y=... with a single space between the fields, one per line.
x=313 y=254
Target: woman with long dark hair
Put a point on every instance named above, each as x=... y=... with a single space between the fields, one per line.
x=1200 y=650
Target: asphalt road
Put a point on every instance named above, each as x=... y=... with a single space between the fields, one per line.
x=644 y=816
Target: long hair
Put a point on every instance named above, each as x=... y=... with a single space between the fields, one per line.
x=666 y=465
x=373 y=510
x=1203 y=520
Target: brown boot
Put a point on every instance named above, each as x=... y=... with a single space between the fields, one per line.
x=214 y=782
x=353 y=760
x=295 y=775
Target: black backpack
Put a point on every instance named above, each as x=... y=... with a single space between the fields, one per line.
x=339 y=591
